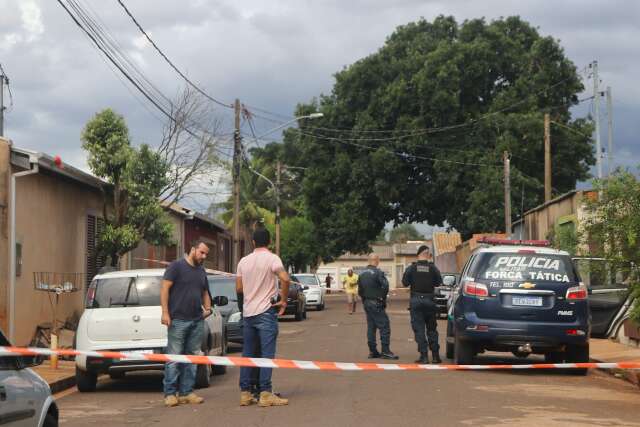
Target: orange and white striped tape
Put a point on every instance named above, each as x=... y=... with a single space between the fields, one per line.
x=298 y=364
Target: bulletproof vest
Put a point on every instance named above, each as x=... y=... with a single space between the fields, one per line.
x=423 y=278
x=370 y=283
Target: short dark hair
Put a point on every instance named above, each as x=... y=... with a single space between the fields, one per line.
x=423 y=248
x=261 y=237
x=197 y=242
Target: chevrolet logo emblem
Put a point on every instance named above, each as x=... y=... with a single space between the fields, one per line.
x=527 y=285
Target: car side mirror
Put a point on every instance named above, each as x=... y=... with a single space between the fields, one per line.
x=305 y=288
x=220 y=301
x=31 y=361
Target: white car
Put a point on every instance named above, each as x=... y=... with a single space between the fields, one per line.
x=313 y=290
x=25 y=398
x=123 y=313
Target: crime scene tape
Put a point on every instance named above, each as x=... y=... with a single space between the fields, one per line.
x=299 y=364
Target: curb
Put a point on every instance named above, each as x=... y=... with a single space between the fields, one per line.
x=630 y=376
x=62 y=384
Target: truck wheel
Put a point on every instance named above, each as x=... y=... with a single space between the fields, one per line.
x=221 y=369
x=86 y=381
x=577 y=354
x=203 y=376
x=463 y=352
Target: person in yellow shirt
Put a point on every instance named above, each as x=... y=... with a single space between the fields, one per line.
x=350 y=283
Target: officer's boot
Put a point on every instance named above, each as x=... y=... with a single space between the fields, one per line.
x=388 y=354
x=436 y=359
x=424 y=358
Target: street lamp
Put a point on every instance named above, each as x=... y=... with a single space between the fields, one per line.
x=276 y=186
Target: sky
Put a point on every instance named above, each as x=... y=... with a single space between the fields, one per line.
x=270 y=55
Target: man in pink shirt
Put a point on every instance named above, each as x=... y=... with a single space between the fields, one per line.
x=256 y=280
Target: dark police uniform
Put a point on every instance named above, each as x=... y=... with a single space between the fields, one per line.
x=373 y=288
x=422 y=277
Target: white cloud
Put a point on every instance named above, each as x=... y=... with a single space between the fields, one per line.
x=31 y=19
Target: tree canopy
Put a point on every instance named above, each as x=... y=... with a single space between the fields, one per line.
x=135 y=180
x=415 y=132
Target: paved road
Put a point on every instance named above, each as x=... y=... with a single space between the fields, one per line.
x=374 y=398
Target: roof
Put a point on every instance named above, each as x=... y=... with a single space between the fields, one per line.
x=384 y=251
x=410 y=248
x=24 y=158
x=553 y=201
x=445 y=242
x=512 y=249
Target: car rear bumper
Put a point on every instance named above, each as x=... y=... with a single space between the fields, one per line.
x=441 y=303
x=508 y=333
x=103 y=365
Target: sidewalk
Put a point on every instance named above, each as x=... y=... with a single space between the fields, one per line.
x=59 y=379
x=604 y=350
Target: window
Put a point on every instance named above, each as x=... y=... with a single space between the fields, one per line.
x=124 y=292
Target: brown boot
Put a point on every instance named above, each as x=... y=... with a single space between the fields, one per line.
x=269 y=399
x=170 y=401
x=190 y=398
x=246 y=398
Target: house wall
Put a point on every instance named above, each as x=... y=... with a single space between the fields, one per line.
x=145 y=251
x=218 y=241
x=51 y=226
x=5 y=150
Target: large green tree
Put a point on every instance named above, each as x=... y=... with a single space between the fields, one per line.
x=135 y=179
x=404 y=232
x=415 y=132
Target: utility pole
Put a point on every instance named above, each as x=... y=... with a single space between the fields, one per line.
x=507 y=193
x=610 y=126
x=547 y=157
x=596 y=99
x=277 y=189
x=3 y=79
x=237 y=153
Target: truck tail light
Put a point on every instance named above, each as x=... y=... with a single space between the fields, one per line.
x=475 y=289
x=577 y=293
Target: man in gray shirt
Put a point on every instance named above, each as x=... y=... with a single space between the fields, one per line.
x=185 y=303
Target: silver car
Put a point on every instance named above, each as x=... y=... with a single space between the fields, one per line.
x=25 y=398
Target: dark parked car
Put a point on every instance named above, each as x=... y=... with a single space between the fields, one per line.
x=226 y=286
x=296 y=302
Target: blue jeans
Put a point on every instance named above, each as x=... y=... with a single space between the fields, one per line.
x=183 y=337
x=259 y=332
x=377 y=319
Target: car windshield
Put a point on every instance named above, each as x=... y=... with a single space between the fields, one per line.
x=520 y=266
x=124 y=292
x=306 y=280
x=223 y=286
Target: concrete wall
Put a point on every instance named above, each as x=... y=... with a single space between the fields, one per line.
x=339 y=268
x=51 y=222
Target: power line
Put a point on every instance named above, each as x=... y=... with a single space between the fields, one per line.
x=4 y=75
x=180 y=73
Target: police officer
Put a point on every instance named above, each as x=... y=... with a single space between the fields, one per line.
x=422 y=277
x=373 y=288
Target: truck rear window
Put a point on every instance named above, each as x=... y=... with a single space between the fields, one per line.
x=519 y=267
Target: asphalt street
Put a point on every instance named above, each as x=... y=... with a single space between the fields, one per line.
x=429 y=398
